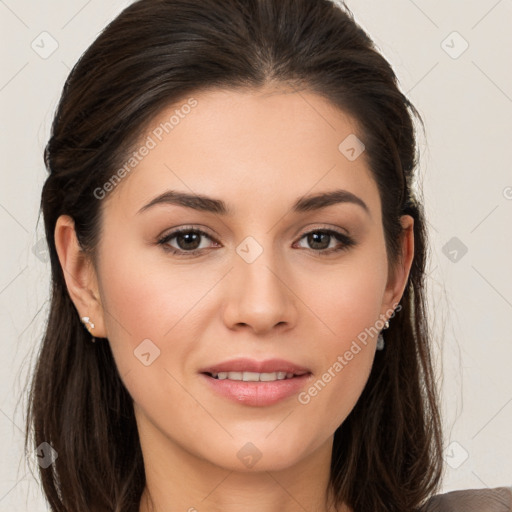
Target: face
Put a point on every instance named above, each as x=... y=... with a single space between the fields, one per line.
x=284 y=287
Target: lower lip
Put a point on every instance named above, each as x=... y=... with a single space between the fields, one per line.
x=257 y=393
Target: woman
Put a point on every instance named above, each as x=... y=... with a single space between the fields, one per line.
x=232 y=228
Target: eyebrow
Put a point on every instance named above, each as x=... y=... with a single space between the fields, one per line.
x=217 y=206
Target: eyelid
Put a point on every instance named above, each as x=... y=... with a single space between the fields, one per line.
x=342 y=236
x=163 y=239
x=206 y=231
x=324 y=227
x=185 y=229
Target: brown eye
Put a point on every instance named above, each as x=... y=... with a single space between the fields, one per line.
x=320 y=240
x=188 y=241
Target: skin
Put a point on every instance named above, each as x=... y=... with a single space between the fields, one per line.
x=259 y=151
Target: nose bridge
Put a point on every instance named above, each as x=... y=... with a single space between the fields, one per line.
x=259 y=296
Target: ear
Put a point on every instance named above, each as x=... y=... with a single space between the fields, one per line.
x=80 y=276
x=398 y=276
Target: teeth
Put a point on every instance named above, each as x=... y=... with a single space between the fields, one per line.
x=252 y=376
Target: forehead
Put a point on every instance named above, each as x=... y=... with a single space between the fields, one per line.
x=260 y=147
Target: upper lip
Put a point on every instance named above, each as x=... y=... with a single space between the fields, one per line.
x=251 y=365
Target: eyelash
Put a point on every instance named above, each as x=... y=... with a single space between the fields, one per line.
x=347 y=242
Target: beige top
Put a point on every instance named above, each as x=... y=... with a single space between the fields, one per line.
x=498 y=499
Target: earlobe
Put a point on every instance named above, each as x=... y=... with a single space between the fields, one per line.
x=80 y=276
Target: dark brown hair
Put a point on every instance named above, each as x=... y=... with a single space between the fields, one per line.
x=387 y=453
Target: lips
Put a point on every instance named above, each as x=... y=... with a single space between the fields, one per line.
x=256 y=383
x=253 y=366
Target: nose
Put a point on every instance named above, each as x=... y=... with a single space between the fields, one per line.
x=259 y=297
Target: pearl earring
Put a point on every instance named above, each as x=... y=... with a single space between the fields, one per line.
x=87 y=322
x=380 y=338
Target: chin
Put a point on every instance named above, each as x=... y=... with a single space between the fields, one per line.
x=257 y=453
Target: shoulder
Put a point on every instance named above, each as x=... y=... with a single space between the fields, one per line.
x=498 y=499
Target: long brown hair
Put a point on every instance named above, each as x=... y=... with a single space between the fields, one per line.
x=387 y=453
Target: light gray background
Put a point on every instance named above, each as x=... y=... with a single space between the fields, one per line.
x=466 y=101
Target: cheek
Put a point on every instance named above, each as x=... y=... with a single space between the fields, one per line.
x=347 y=362
x=348 y=303
x=150 y=313
x=347 y=298
x=146 y=298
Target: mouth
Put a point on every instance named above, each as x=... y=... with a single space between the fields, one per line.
x=256 y=383
x=255 y=376
x=251 y=370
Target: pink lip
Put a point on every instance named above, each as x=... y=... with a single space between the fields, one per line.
x=257 y=393
x=251 y=365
